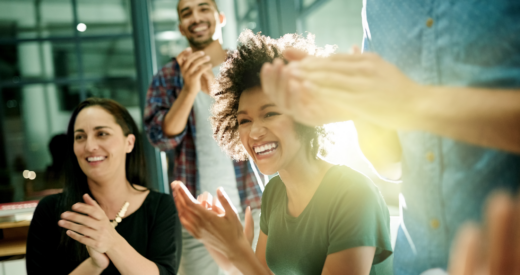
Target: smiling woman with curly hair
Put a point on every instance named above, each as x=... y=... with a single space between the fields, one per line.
x=317 y=218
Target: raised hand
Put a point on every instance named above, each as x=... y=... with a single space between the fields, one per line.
x=491 y=249
x=92 y=229
x=193 y=65
x=221 y=231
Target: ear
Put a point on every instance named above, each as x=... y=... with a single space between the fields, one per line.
x=130 y=142
x=222 y=19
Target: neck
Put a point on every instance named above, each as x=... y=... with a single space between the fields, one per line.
x=110 y=194
x=302 y=177
x=215 y=51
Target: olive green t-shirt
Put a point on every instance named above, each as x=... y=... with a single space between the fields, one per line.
x=346 y=211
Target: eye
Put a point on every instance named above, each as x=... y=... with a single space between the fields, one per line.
x=102 y=134
x=242 y=121
x=270 y=114
x=78 y=137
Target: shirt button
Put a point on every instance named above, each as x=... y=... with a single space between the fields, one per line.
x=429 y=23
x=435 y=223
x=430 y=156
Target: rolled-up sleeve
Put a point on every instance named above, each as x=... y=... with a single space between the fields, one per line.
x=159 y=98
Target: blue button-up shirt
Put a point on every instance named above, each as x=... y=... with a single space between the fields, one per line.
x=446 y=182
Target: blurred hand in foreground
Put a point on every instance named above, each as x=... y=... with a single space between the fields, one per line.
x=494 y=248
x=319 y=90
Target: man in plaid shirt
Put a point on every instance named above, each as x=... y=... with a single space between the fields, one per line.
x=176 y=118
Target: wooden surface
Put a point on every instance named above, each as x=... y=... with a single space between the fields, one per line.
x=14 y=238
x=12 y=247
x=14 y=224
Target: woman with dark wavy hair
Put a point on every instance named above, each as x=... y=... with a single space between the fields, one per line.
x=317 y=218
x=106 y=221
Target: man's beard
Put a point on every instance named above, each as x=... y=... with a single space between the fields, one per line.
x=199 y=45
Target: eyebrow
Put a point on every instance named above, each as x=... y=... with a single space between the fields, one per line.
x=261 y=108
x=187 y=8
x=96 y=128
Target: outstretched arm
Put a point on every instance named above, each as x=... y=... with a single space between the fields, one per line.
x=319 y=90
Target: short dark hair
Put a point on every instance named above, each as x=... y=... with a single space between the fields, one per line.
x=179 y=14
x=76 y=181
x=240 y=72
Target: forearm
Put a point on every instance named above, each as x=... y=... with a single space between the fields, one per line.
x=245 y=261
x=484 y=117
x=128 y=261
x=87 y=267
x=175 y=120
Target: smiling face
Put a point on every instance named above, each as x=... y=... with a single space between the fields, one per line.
x=100 y=145
x=200 y=22
x=268 y=135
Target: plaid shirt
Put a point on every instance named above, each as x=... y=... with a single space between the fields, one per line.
x=163 y=91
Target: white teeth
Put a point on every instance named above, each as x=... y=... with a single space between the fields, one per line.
x=201 y=28
x=262 y=149
x=95 y=158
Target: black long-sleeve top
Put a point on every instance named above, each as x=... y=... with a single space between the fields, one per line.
x=153 y=230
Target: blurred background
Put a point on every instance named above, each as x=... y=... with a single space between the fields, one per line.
x=55 y=53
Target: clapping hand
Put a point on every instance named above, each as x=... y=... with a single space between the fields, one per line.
x=196 y=70
x=219 y=228
x=493 y=249
x=90 y=226
x=319 y=90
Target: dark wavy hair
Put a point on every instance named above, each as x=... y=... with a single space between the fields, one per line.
x=76 y=181
x=241 y=71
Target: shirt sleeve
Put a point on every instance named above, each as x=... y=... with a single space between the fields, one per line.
x=159 y=98
x=360 y=218
x=165 y=238
x=41 y=242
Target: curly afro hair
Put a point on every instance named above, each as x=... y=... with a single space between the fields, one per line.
x=240 y=72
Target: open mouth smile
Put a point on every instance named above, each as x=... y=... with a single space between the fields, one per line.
x=265 y=149
x=96 y=159
x=200 y=28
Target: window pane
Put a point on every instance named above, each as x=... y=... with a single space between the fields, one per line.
x=104 y=17
x=324 y=23
x=31 y=118
x=37 y=61
x=307 y=3
x=169 y=41
x=108 y=58
x=19 y=19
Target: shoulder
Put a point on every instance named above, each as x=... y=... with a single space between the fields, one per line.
x=50 y=202
x=169 y=70
x=160 y=202
x=48 y=209
x=350 y=186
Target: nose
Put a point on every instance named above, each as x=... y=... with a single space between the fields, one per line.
x=91 y=145
x=257 y=130
x=196 y=17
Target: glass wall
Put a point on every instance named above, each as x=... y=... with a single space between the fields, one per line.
x=53 y=54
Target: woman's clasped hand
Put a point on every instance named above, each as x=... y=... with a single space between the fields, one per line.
x=90 y=226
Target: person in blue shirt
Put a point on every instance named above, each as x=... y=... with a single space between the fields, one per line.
x=436 y=89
